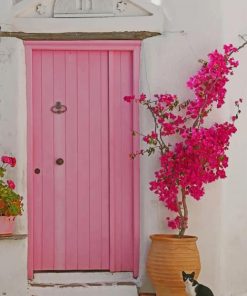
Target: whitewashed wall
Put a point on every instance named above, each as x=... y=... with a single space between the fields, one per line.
x=220 y=219
x=234 y=220
x=13 y=254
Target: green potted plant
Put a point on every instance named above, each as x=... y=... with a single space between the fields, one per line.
x=11 y=204
x=192 y=154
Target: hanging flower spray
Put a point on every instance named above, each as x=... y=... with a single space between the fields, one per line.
x=198 y=156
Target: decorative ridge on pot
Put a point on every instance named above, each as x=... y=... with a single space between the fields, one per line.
x=172 y=237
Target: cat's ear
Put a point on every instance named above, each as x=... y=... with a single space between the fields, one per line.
x=183 y=273
x=193 y=274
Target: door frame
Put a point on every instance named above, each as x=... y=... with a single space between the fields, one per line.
x=128 y=45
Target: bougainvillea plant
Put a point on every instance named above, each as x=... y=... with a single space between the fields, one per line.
x=10 y=202
x=192 y=153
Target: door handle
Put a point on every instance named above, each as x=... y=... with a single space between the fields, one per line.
x=59 y=161
x=37 y=171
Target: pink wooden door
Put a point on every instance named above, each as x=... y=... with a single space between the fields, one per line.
x=83 y=188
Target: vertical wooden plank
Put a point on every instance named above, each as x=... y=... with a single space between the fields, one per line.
x=126 y=118
x=30 y=159
x=48 y=162
x=83 y=161
x=95 y=159
x=59 y=171
x=136 y=169
x=71 y=162
x=112 y=156
x=37 y=154
x=124 y=207
x=115 y=157
x=105 y=221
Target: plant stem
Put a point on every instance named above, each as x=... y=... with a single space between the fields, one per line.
x=162 y=144
x=184 y=218
x=181 y=232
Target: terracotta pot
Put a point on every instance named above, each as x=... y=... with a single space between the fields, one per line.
x=168 y=257
x=6 y=225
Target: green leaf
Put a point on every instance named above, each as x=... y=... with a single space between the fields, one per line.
x=2 y=172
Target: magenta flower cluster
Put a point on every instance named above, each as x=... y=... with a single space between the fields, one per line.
x=198 y=153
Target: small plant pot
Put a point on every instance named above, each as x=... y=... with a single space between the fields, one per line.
x=6 y=225
x=168 y=257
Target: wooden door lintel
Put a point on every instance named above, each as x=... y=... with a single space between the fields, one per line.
x=139 y=35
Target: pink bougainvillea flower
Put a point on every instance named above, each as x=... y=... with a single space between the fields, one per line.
x=174 y=223
x=151 y=139
x=198 y=154
x=142 y=98
x=129 y=99
x=11 y=184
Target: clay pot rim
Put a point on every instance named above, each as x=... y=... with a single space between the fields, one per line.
x=172 y=237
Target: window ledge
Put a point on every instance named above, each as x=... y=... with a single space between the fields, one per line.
x=13 y=237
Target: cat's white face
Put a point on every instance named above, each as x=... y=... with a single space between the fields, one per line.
x=188 y=281
x=188 y=277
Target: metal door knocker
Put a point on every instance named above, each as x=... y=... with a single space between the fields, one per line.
x=58 y=108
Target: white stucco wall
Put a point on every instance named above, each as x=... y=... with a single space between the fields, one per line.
x=13 y=253
x=234 y=220
x=219 y=220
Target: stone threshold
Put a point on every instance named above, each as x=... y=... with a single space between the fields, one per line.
x=88 y=285
x=84 y=285
x=66 y=278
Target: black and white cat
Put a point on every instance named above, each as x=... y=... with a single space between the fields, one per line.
x=193 y=288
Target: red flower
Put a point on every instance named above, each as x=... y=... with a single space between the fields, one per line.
x=6 y=159
x=11 y=184
x=9 y=160
x=13 y=161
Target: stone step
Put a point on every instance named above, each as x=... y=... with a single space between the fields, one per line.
x=83 y=290
x=57 y=278
x=83 y=284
